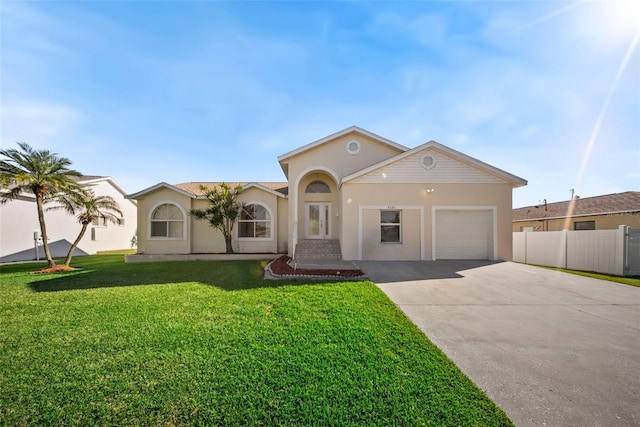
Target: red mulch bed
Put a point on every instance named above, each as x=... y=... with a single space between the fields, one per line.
x=56 y=269
x=280 y=267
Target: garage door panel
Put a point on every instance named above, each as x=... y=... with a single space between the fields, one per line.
x=464 y=234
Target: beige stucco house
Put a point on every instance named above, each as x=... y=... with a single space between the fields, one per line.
x=378 y=199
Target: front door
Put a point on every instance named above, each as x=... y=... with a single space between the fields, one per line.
x=318 y=221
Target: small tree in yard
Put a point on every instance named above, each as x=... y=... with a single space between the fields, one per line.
x=86 y=207
x=40 y=172
x=223 y=210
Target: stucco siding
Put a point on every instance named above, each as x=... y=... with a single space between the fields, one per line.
x=283 y=225
x=154 y=245
x=200 y=237
x=407 y=249
x=334 y=155
x=329 y=162
x=391 y=196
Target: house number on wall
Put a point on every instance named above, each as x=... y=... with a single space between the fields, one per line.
x=391 y=207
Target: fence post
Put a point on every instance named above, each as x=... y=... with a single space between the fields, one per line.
x=564 y=248
x=621 y=250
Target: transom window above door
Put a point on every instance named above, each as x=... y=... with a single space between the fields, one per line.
x=317 y=187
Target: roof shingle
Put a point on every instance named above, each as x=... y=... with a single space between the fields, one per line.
x=598 y=205
x=194 y=187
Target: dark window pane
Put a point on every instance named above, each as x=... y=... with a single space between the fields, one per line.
x=584 y=225
x=158 y=229
x=390 y=234
x=390 y=217
x=263 y=229
x=175 y=228
x=317 y=187
x=245 y=229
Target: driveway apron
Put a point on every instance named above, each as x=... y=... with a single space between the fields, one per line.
x=550 y=348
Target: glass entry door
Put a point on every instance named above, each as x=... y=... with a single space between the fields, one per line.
x=318 y=221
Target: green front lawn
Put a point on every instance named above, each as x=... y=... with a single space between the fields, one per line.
x=632 y=281
x=211 y=343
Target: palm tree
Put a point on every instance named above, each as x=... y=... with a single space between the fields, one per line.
x=86 y=207
x=40 y=172
x=222 y=211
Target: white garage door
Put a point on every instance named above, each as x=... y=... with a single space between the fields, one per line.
x=464 y=234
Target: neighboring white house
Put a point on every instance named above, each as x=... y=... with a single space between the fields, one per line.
x=19 y=225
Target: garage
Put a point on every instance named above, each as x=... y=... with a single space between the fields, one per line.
x=464 y=233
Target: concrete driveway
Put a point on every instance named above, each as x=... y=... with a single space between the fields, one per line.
x=549 y=348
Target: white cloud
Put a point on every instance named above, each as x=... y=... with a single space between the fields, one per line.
x=38 y=122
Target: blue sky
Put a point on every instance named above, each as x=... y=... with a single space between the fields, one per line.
x=182 y=91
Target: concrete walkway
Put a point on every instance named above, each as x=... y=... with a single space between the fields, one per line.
x=549 y=348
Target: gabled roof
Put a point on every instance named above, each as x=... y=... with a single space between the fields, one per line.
x=93 y=179
x=193 y=190
x=285 y=157
x=492 y=170
x=279 y=189
x=628 y=201
x=86 y=180
x=158 y=187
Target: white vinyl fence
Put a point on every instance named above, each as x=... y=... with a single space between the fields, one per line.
x=603 y=251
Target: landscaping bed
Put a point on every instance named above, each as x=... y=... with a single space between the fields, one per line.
x=280 y=267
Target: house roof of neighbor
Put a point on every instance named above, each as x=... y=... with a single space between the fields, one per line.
x=628 y=201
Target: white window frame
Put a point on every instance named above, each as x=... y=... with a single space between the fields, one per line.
x=99 y=221
x=388 y=224
x=184 y=221
x=363 y=208
x=253 y=239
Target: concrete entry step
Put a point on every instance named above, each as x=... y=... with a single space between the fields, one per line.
x=310 y=250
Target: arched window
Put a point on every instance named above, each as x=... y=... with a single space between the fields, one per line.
x=254 y=222
x=317 y=187
x=167 y=220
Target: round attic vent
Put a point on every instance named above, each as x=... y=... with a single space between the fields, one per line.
x=427 y=161
x=353 y=147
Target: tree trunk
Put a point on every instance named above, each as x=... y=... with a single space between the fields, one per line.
x=227 y=240
x=227 y=235
x=43 y=231
x=67 y=260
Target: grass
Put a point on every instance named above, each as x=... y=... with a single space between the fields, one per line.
x=632 y=281
x=211 y=343
x=118 y=252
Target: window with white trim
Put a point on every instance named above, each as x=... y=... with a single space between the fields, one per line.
x=317 y=187
x=99 y=221
x=390 y=223
x=167 y=221
x=254 y=222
